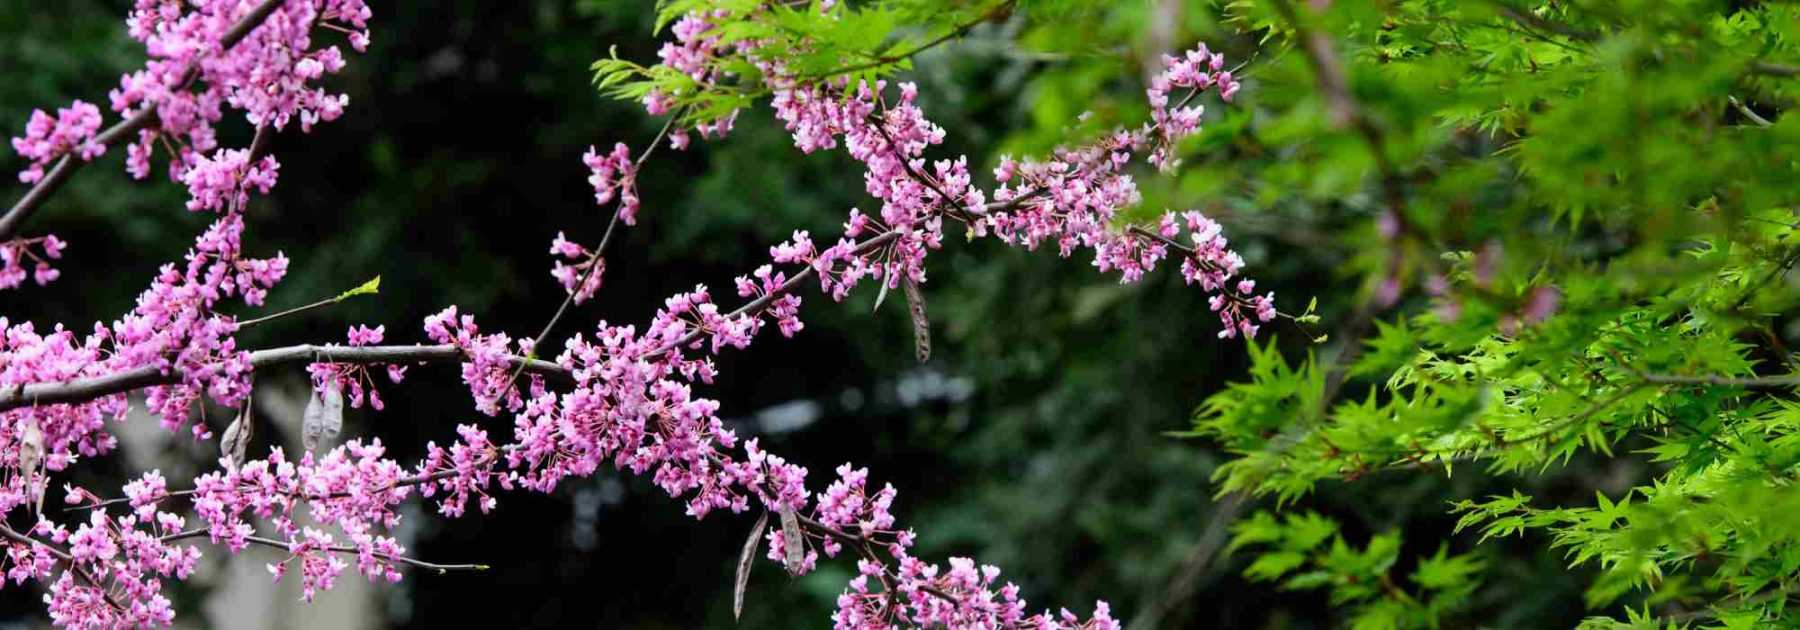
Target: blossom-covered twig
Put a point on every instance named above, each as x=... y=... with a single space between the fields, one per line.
x=47 y=184
x=87 y=389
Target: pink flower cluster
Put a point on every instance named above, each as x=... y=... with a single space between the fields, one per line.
x=269 y=72
x=963 y=597
x=193 y=72
x=890 y=139
x=223 y=182
x=61 y=433
x=70 y=132
x=632 y=406
x=14 y=255
x=1196 y=70
x=1073 y=199
x=785 y=309
x=577 y=269
x=488 y=372
x=173 y=328
x=614 y=176
x=353 y=487
x=1211 y=264
x=693 y=53
x=354 y=377
x=114 y=567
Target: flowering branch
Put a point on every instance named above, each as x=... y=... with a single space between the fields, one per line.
x=624 y=396
x=595 y=262
x=142 y=119
x=91 y=388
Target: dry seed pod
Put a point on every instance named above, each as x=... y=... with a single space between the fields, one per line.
x=324 y=417
x=746 y=559
x=880 y=297
x=31 y=455
x=312 y=422
x=915 y=302
x=333 y=413
x=793 y=543
x=234 y=444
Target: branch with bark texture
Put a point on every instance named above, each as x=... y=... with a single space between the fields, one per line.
x=85 y=389
x=277 y=544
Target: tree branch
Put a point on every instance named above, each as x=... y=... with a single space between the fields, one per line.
x=961 y=30
x=1329 y=73
x=440 y=568
x=1531 y=20
x=1774 y=69
x=84 y=389
x=595 y=260
x=859 y=543
x=1748 y=113
x=1724 y=381
x=1180 y=588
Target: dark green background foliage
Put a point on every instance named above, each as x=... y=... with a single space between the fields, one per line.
x=1081 y=434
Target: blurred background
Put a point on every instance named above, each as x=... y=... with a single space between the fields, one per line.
x=1037 y=438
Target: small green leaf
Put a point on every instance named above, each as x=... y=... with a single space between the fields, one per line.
x=372 y=287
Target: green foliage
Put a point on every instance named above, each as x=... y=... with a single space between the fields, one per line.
x=372 y=287
x=1304 y=551
x=1592 y=207
x=858 y=42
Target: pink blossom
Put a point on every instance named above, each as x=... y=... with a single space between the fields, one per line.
x=70 y=132
x=614 y=175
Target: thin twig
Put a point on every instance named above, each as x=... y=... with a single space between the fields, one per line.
x=1196 y=565
x=1723 y=381
x=858 y=543
x=107 y=502
x=270 y=542
x=959 y=31
x=1532 y=21
x=441 y=568
x=1748 y=113
x=1774 y=69
x=595 y=260
x=292 y=311
x=760 y=303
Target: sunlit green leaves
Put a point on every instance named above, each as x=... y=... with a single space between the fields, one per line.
x=1594 y=265
x=1305 y=551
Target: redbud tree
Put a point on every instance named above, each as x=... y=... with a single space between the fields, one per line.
x=1571 y=225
